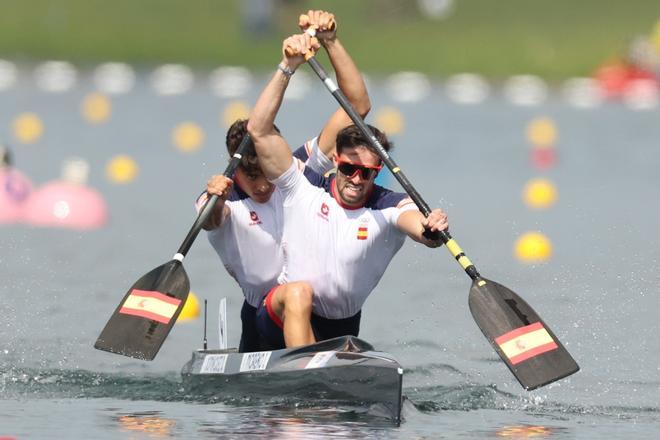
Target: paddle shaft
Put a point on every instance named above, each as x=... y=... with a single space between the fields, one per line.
x=446 y=238
x=207 y=209
x=499 y=312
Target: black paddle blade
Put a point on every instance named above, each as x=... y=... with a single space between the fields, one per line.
x=521 y=338
x=145 y=316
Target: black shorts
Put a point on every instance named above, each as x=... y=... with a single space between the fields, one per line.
x=270 y=326
x=251 y=340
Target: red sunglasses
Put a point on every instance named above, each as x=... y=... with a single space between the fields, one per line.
x=350 y=169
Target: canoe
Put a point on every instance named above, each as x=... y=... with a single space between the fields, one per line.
x=344 y=370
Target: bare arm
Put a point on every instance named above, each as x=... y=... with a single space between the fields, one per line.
x=272 y=149
x=219 y=185
x=349 y=78
x=413 y=223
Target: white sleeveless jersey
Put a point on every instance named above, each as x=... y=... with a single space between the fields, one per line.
x=341 y=252
x=248 y=241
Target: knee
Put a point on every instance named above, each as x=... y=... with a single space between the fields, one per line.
x=299 y=296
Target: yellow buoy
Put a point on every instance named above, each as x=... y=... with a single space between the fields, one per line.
x=190 y=309
x=542 y=132
x=96 y=108
x=28 y=128
x=539 y=193
x=655 y=36
x=235 y=110
x=390 y=120
x=533 y=247
x=121 y=169
x=187 y=137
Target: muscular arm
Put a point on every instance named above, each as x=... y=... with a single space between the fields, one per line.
x=220 y=211
x=217 y=185
x=351 y=83
x=272 y=149
x=413 y=223
x=349 y=78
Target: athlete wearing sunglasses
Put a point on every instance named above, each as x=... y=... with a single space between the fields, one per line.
x=350 y=169
x=357 y=167
x=245 y=227
x=339 y=232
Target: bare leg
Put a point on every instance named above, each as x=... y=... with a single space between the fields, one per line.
x=292 y=302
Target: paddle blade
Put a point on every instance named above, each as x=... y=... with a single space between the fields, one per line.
x=145 y=316
x=521 y=338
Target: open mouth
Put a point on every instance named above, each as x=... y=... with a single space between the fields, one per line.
x=352 y=189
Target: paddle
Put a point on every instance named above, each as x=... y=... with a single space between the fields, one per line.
x=517 y=333
x=144 y=318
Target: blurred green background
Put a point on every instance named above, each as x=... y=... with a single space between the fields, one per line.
x=498 y=38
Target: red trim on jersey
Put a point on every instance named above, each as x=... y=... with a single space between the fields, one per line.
x=404 y=202
x=333 y=192
x=269 y=308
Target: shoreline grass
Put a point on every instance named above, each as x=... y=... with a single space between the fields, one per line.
x=496 y=38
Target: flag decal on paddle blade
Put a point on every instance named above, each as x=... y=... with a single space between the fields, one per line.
x=362 y=233
x=526 y=342
x=150 y=305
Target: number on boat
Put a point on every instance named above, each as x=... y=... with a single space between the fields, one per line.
x=214 y=363
x=320 y=359
x=255 y=361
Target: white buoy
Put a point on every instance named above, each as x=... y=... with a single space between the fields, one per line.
x=75 y=170
x=582 y=93
x=467 y=88
x=114 y=78
x=408 y=86
x=230 y=81
x=55 y=76
x=8 y=75
x=526 y=90
x=172 y=79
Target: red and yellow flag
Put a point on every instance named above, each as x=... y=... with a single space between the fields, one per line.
x=150 y=305
x=362 y=233
x=526 y=342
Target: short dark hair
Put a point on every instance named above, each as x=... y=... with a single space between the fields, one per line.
x=351 y=137
x=235 y=134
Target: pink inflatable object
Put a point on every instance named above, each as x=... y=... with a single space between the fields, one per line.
x=68 y=205
x=15 y=190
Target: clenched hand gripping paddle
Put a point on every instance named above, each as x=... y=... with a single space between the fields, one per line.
x=144 y=318
x=517 y=333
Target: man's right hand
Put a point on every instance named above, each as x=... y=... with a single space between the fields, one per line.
x=295 y=47
x=219 y=185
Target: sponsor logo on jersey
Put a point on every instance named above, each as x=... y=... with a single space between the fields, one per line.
x=255 y=218
x=323 y=212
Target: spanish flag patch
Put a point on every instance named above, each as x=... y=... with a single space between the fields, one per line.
x=526 y=342
x=362 y=233
x=151 y=305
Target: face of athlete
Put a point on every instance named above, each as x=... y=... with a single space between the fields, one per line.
x=356 y=171
x=255 y=185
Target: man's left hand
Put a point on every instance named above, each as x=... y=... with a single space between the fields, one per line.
x=436 y=221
